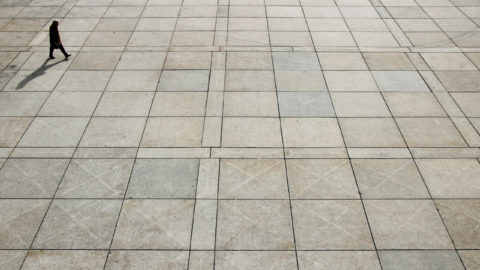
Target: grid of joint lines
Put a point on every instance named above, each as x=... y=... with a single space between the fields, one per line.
x=240 y=134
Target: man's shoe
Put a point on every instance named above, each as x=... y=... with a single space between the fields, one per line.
x=51 y=57
x=68 y=55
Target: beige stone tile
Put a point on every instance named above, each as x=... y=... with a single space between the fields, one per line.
x=388 y=61
x=375 y=39
x=150 y=39
x=475 y=58
x=207 y=185
x=284 y=12
x=195 y=24
x=468 y=102
x=406 y=224
x=124 y=104
x=331 y=225
x=342 y=260
x=84 y=81
x=249 y=80
x=451 y=178
x=66 y=152
x=173 y=132
x=294 y=80
x=254 y=225
x=358 y=81
x=31 y=178
x=12 y=129
x=217 y=80
x=321 y=24
x=430 y=132
x=214 y=104
x=204 y=225
x=124 y=12
x=382 y=153
x=321 y=9
x=141 y=60
x=96 y=178
x=470 y=258
x=247 y=24
x=461 y=218
x=78 y=224
x=38 y=80
x=359 y=12
x=448 y=61
x=366 y=25
x=321 y=179
x=252 y=179
x=184 y=80
x=188 y=60
x=137 y=260
x=179 y=104
x=250 y=104
x=429 y=39
x=133 y=80
x=293 y=153
x=359 y=104
x=108 y=24
x=462 y=81
x=300 y=39
x=247 y=153
x=20 y=222
x=418 y=25
x=95 y=61
x=65 y=259
x=113 y=132
x=108 y=39
x=311 y=132
x=389 y=179
x=12 y=259
x=181 y=152
x=287 y=24
x=54 y=132
x=295 y=61
x=251 y=132
x=198 y=38
x=248 y=38
x=255 y=260
x=247 y=11
x=371 y=132
x=333 y=39
x=413 y=104
x=445 y=153
x=147 y=218
x=70 y=104
x=201 y=260
x=16 y=38
x=420 y=259
x=166 y=9
x=249 y=60
x=342 y=61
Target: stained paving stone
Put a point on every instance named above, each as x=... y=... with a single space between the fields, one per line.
x=250 y=134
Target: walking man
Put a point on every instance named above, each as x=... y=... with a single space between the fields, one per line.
x=55 y=41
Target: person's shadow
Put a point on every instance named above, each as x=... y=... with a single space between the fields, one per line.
x=37 y=73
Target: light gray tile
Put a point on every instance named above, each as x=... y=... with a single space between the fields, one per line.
x=31 y=178
x=164 y=178
x=137 y=260
x=462 y=81
x=84 y=81
x=305 y=104
x=147 y=217
x=470 y=258
x=95 y=178
x=311 y=132
x=184 y=80
x=422 y=259
x=358 y=81
x=141 y=60
x=430 y=132
x=12 y=259
x=251 y=132
x=95 y=61
x=250 y=104
x=38 y=80
x=78 y=224
x=400 y=81
x=255 y=260
x=134 y=80
x=20 y=221
x=342 y=260
x=173 y=132
x=124 y=104
x=249 y=80
x=188 y=60
x=113 y=132
x=179 y=104
x=295 y=61
x=353 y=104
x=371 y=132
x=70 y=104
x=21 y=104
x=249 y=60
x=413 y=104
x=303 y=81
x=65 y=259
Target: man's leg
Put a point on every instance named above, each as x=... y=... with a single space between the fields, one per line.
x=63 y=51
x=51 y=52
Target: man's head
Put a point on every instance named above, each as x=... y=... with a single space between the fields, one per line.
x=55 y=22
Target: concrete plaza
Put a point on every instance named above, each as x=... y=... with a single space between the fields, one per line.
x=240 y=134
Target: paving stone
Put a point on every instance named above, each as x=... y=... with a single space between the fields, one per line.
x=338 y=259
x=150 y=39
x=375 y=39
x=359 y=81
x=400 y=81
x=305 y=104
x=64 y=259
x=252 y=179
x=468 y=103
x=124 y=104
x=424 y=259
x=193 y=38
x=179 y=104
x=20 y=222
x=464 y=81
x=321 y=179
x=255 y=260
x=184 y=80
x=249 y=80
x=113 y=132
x=38 y=80
x=406 y=224
x=133 y=80
x=70 y=104
x=96 y=61
x=147 y=217
x=297 y=80
x=31 y=178
x=284 y=24
x=111 y=39
x=143 y=259
x=141 y=60
x=249 y=60
x=115 y=24
x=413 y=104
x=389 y=179
x=95 y=178
x=242 y=225
x=388 y=61
x=251 y=132
x=333 y=39
x=327 y=24
x=188 y=60
x=451 y=178
x=12 y=259
x=311 y=132
x=342 y=61
x=371 y=132
x=295 y=61
x=173 y=132
x=470 y=258
x=359 y=105
x=430 y=132
x=330 y=225
x=430 y=39
x=78 y=224
x=21 y=104
x=84 y=81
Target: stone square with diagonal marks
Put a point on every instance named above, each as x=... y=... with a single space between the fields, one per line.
x=240 y=134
